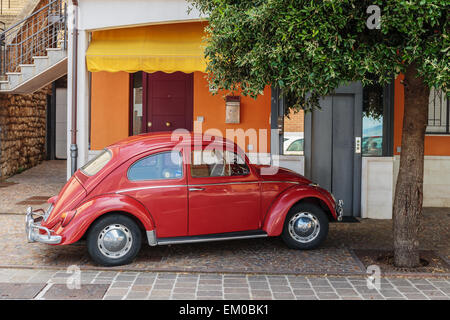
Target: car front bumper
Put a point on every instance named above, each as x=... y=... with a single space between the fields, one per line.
x=340 y=209
x=33 y=227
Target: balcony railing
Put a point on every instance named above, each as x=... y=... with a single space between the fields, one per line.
x=45 y=28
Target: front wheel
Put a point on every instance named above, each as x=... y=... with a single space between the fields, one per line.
x=305 y=226
x=114 y=240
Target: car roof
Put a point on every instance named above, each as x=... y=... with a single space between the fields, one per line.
x=148 y=141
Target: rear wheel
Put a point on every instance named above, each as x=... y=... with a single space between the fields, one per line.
x=305 y=226
x=114 y=240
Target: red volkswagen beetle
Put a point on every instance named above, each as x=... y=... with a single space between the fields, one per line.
x=193 y=189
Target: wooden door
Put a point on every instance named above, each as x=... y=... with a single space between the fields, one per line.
x=169 y=101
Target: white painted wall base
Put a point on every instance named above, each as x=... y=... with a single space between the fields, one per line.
x=436 y=180
x=377 y=187
x=379 y=177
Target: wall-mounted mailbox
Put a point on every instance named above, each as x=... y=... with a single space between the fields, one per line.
x=232 y=109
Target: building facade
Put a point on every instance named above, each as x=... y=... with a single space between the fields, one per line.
x=140 y=68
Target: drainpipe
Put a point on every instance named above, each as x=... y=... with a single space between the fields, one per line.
x=73 y=145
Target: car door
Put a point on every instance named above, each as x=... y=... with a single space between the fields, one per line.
x=158 y=180
x=223 y=192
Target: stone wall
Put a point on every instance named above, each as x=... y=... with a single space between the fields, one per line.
x=23 y=131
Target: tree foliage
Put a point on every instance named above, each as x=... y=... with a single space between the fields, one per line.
x=308 y=48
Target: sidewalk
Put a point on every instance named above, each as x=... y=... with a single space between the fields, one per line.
x=32 y=187
x=48 y=284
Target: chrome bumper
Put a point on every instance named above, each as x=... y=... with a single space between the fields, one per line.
x=32 y=229
x=340 y=209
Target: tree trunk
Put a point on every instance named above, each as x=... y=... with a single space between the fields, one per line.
x=409 y=190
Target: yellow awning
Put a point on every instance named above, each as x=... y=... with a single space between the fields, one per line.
x=168 y=48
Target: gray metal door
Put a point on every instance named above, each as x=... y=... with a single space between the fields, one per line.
x=331 y=159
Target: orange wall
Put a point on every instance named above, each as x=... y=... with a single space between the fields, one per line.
x=435 y=145
x=110 y=111
x=109 y=108
x=255 y=114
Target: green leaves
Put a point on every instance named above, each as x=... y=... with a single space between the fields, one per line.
x=314 y=46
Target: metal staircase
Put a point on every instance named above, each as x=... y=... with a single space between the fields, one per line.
x=33 y=51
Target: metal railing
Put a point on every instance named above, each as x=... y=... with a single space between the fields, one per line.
x=438 y=112
x=30 y=37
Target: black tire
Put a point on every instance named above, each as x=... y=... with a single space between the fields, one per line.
x=311 y=210
x=116 y=220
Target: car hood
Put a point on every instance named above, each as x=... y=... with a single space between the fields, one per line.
x=282 y=174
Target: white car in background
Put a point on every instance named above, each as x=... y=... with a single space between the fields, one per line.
x=293 y=143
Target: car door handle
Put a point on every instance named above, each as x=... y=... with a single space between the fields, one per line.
x=196 y=189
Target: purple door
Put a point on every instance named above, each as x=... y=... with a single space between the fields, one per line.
x=169 y=101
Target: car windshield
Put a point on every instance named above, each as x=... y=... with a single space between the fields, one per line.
x=97 y=163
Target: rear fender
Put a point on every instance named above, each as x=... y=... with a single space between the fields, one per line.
x=92 y=209
x=274 y=220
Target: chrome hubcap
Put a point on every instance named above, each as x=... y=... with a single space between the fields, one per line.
x=304 y=227
x=114 y=241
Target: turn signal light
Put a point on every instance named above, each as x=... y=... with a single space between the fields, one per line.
x=66 y=217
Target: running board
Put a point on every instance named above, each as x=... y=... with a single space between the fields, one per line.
x=213 y=237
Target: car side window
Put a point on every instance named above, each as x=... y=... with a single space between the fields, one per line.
x=215 y=163
x=159 y=166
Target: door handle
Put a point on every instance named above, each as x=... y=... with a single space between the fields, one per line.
x=196 y=189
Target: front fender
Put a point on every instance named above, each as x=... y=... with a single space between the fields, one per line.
x=90 y=210
x=274 y=220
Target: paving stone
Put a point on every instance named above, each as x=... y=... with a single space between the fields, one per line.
x=19 y=290
x=259 y=285
x=415 y=296
x=183 y=296
x=207 y=293
x=210 y=281
x=391 y=293
x=183 y=290
x=283 y=296
x=156 y=292
x=261 y=293
x=373 y=296
x=236 y=296
x=136 y=296
x=434 y=293
x=300 y=285
x=425 y=287
x=280 y=289
x=327 y=296
x=323 y=289
x=117 y=292
x=112 y=298
x=308 y=297
x=303 y=292
x=236 y=290
x=341 y=284
x=346 y=292
x=407 y=290
x=86 y=292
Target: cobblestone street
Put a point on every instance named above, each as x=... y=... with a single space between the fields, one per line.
x=52 y=284
x=241 y=269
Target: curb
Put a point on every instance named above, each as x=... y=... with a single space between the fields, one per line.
x=314 y=274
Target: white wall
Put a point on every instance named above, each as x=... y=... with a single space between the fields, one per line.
x=436 y=180
x=104 y=14
x=377 y=187
x=379 y=177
